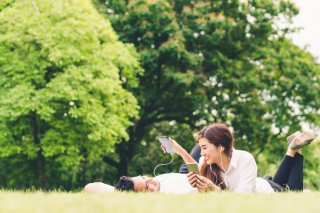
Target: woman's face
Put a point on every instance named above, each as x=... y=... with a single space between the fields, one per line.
x=210 y=152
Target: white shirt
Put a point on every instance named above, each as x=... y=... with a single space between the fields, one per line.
x=98 y=187
x=172 y=183
x=241 y=176
x=175 y=183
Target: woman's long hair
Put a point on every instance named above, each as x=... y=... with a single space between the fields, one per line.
x=219 y=135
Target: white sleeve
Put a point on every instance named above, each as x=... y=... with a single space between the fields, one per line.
x=248 y=175
x=98 y=187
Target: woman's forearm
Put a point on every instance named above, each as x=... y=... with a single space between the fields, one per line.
x=186 y=156
x=182 y=152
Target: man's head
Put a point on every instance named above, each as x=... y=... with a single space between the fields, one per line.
x=125 y=184
x=138 y=184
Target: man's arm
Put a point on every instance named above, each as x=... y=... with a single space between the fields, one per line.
x=98 y=187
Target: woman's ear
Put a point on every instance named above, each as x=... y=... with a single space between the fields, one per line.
x=221 y=148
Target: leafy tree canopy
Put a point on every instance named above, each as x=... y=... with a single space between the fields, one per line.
x=217 y=61
x=63 y=80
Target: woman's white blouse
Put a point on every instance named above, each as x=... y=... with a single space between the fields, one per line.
x=241 y=175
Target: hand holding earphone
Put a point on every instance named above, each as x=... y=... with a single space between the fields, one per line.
x=169 y=145
x=167 y=148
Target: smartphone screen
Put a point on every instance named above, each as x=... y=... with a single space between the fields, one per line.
x=193 y=167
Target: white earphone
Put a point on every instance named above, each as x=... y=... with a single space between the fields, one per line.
x=221 y=150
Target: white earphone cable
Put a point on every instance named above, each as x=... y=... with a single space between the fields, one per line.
x=214 y=175
x=162 y=164
x=221 y=162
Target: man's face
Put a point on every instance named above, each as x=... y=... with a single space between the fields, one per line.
x=145 y=184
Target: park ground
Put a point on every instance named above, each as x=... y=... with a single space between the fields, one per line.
x=151 y=202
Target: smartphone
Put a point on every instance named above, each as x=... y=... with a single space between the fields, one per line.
x=164 y=140
x=193 y=167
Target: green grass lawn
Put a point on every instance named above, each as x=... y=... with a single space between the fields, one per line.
x=155 y=202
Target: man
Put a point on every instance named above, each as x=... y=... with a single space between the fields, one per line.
x=172 y=183
x=177 y=183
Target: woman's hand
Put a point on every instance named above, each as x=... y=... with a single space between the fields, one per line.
x=204 y=184
x=180 y=151
x=177 y=148
x=192 y=178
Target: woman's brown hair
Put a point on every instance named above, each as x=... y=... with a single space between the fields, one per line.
x=219 y=135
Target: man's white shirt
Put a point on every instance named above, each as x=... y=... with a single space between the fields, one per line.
x=175 y=183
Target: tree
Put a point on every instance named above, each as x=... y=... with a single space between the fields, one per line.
x=170 y=82
x=209 y=61
x=64 y=80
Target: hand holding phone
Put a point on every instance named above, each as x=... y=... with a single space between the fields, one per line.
x=164 y=140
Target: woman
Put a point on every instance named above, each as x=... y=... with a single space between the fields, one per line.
x=223 y=167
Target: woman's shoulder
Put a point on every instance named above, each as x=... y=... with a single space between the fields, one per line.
x=242 y=153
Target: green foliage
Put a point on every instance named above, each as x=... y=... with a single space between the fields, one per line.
x=5 y=3
x=150 y=154
x=312 y=163
x=70 y=89
x=63 y=74
x=218 y=61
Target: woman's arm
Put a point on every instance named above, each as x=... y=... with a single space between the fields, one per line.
x=202 y=183
x=182 y=152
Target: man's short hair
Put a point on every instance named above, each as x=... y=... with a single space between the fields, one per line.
x=125 y=183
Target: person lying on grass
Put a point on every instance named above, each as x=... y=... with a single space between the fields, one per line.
x=224 y=167
x=172 y=183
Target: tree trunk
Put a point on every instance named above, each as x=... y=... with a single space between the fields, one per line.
x=127 y=149
x=123 y=166
x=40 y=157
x=41 y=170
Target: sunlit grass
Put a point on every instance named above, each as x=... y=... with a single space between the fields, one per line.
x=156 y=202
